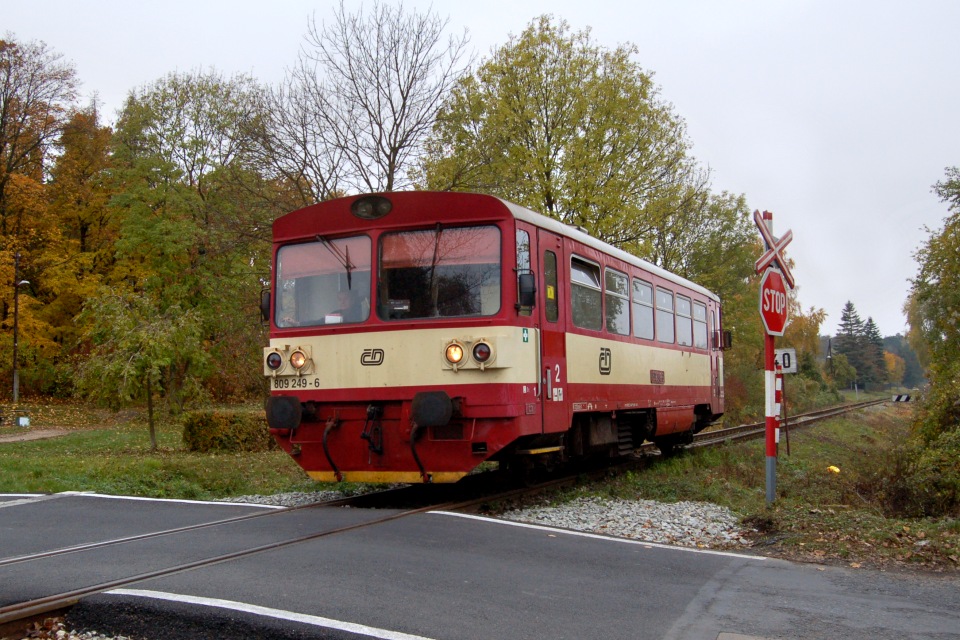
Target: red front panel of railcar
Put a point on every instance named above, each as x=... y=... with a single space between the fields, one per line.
x=378 y=306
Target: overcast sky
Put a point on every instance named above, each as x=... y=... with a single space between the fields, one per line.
x=837 y=116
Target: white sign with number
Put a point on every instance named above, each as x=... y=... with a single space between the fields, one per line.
x=787 y=359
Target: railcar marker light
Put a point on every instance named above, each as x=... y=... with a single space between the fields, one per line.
x=298 y=359
x=482 y=352
x=454 y=354
x=274 y=361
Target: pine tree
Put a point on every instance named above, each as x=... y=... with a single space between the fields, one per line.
x=876 y=373
x=850 y=340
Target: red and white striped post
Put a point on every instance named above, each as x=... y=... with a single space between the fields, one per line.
x=772 y=415
x=777 y=403
x=774 y=311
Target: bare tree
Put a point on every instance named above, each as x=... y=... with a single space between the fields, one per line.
x=375 y=82
x=298 y=148
x=36 y=90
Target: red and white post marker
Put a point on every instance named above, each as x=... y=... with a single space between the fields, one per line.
x=774 y=311
x=778 y=403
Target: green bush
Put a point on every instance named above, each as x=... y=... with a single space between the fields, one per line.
x=925 y=477
x=922 y=480
x=804 y=393
x=939 y=410
x=225 y=430
x=936 y=475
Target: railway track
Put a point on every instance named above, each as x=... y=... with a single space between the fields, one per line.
x=468 y=495
x=17 y=615
x=419 y=498
x=757 y=429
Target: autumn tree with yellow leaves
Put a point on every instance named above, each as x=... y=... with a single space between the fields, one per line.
x=37 y=91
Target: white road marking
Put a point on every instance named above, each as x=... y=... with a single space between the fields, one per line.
x=278 y=614
x=28 y=499
x=142 y=499
x=597 y=536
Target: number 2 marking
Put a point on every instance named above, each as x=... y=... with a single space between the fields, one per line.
x=557 y=369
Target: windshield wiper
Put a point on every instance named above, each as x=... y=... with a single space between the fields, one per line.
x=343 y=257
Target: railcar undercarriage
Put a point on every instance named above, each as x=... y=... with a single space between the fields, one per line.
x=600 y=435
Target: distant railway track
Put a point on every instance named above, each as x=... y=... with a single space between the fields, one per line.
x=465 y=496
x=757 y=429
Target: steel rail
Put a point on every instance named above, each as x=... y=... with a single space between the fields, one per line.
x=32 y=609
x=336 y=502
x=752 y=430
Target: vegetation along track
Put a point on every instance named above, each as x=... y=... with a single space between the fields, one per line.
x=467 y=495
x=757 y=429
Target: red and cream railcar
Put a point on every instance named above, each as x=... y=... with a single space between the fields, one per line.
x=415 y=335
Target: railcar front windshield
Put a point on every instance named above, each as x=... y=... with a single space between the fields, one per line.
x=442 y=272
x=324 y=282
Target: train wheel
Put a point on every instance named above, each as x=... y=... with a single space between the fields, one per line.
x=667 y=446
x=519 y=471
x=673 y=444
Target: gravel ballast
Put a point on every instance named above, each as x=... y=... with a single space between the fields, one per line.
x=689 y=524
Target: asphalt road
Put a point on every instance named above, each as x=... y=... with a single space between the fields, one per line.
x=439 y=575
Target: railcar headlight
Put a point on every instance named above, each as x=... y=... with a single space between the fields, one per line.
x=482 y=352
x=274 y=361
x=298 y=359
x=454 y=353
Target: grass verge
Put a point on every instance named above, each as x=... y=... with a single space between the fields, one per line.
x=821 y=514
x=107 y=452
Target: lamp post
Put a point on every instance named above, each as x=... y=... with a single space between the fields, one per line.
x=16 y=318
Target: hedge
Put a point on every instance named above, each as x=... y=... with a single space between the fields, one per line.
x=226 y=431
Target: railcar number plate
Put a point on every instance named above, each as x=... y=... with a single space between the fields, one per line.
x=296 y=383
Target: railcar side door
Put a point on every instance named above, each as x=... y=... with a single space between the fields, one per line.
x=552 y=293
x=716 y=359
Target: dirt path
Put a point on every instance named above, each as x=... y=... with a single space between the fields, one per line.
x=37 y=434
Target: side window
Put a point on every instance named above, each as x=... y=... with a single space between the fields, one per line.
x=585 y=294
x=523 y=251
x=715 y=329
x=617 y=301
x=684 y=326
x=551 y=302
x=665 y=328
x=643 y=309
x=699 y=325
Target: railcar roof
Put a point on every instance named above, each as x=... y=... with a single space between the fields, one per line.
x=559 y=228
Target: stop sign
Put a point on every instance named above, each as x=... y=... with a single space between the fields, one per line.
x=773 y=302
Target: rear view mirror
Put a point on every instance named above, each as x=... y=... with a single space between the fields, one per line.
x=265 y=305
x=527 y=292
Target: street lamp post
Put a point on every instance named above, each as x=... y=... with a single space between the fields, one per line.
x=17 y=282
